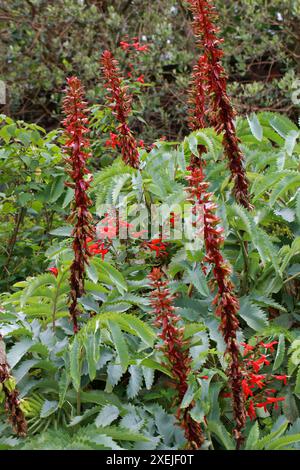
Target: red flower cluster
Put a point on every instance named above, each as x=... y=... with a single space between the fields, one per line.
x=76 y=149
x=226 y=303
x=256 y=385
x=12 y=401
x=175 y=350
x=113 y=141
x=125 y=45
x=98 y=248
x=210 y=79
x=120 y=104
x=158 y=246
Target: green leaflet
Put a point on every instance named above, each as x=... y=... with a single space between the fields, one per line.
x=119 y=343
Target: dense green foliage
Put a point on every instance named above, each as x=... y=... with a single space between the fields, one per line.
x=107 y=388
x=44 y=41
x=111 y=383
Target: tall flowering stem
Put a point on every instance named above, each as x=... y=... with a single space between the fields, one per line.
x=120 y=103
x=197 y=96
x=220 y=111
x=77 y=152
x=12 y=401
x=175 y=350
x=225 y=301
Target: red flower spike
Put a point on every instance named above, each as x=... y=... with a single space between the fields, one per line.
x=77 y=152
x=120 y=103
x=12 y=402
x=209 y=79
x=175 y=350
x=227 y=304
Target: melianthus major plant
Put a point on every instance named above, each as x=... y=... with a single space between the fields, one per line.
x=222 y=331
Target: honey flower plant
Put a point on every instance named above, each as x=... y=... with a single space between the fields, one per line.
x=77 y=152
x=209 y=92
x=120 y=103
x=225 y=302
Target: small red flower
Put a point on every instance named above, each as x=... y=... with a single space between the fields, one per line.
x=259 y=363
x=141 y=79
x=281 y=377
x=53 y=271
x=157 y=246
x=247 y=348
x=246 y=389
x=113 y=141
x=99 y=248
x=270 y=401
x=251 y=411
x=269 y=345
x=256 y=380
x=125 y=45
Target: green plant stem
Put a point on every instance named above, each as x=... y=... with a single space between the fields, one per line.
x=245 y=279
x=291 y=278
x=78 y=402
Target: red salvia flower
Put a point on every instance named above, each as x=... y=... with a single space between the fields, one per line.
x=210 y=79
x=227 y=304
x=174 y=349
x=12 y=401
x=76 y=150
x=254 y=384
x=120 y=103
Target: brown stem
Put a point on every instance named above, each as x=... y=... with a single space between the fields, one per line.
x=13 y=238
